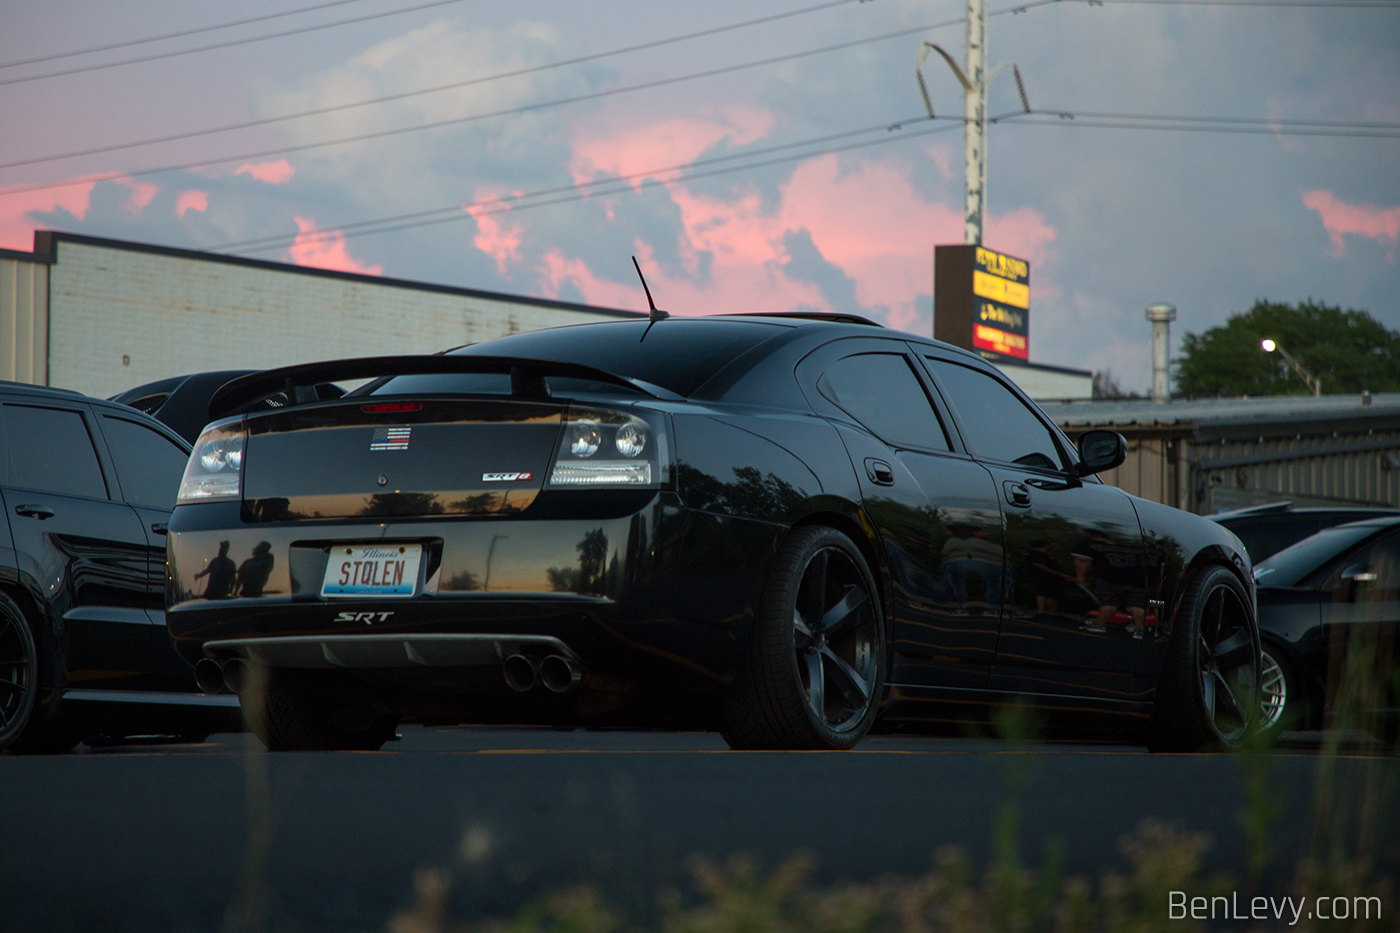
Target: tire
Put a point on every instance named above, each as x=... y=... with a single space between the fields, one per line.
x=1283 y=701
x=19 y=677
x=288 y=718
x=814 y=672
x=1206 y=697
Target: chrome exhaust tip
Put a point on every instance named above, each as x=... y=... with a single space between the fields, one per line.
x=560 y=674
x=522 y=673
x=209 y=676
x=235 y=675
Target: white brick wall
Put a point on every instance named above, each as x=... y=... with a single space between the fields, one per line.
x=120 y=318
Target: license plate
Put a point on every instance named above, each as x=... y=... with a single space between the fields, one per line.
x=372 y=570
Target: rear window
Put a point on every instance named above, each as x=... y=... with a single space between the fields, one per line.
x=679 y=354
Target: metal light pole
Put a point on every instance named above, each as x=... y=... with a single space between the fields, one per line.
x=1161 y=316
x=1311 y=381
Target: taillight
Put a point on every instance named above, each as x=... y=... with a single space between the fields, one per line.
x=215 y=470
x=599 y=448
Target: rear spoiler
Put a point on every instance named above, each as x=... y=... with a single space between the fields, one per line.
x=298 y=383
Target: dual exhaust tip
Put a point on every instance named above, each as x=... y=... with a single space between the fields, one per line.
x=221 y=676
x=557 y=673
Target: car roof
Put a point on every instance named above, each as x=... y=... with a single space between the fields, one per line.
x=1288 y=508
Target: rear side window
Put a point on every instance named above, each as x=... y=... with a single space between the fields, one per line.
x=997 y=424
x=50 y=449
x=149 y=464
x=881 y=391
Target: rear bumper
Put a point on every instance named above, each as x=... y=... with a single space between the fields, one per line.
x=653 y=594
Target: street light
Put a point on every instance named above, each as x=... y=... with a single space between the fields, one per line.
x=1312 y=382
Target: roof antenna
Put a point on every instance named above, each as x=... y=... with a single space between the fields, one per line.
x=656 y=313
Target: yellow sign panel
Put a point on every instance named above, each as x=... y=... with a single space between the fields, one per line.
x=994 y=288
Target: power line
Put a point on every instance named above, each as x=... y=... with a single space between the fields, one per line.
x=621 y=184
x=586 y=188
x=248 y=124
x=223 y=45
x=174 y=35
x=1340 y=129
x=685 y=171
x=509 y=111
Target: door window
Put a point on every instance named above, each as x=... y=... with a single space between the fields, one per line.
x=50 y=449
x=995 y=423
x=881 y=391
x=149 y=464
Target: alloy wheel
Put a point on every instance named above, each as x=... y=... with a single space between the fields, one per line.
x=835 y=640
x=1228 y=658
x=17 y=674
x=1273 y=692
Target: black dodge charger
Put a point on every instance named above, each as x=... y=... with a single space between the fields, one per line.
x=779 y=526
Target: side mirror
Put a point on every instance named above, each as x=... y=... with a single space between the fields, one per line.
x=1101 y=450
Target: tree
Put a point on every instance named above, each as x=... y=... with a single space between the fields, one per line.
x=1107 y=387
x=1348 y=350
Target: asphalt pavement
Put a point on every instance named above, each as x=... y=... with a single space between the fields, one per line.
x=222 y=836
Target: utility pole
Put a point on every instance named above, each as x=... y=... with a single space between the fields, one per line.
x=974 y=81
x=975 y=120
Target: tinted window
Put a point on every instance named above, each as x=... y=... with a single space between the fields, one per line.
x=1292 y=564
x=489 y=384
x=881 y=392
x=996 y=424
x=1369 y=575
x=678 y=354
x=149 y=464
x=50 y=449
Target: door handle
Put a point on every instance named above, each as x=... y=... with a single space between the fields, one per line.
x=879 y=472
x=1017 y=494
x=40 y=512
x=160 y=528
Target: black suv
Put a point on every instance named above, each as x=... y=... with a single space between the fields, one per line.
x=87 y=488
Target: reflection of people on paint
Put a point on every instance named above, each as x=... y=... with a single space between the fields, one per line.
x=968 y=553
x=254 y=572
x=1117 y=580
x=1046 y=577
x=221 y=572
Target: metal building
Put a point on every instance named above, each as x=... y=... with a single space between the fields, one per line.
x=101 y=316
x=1207 y=455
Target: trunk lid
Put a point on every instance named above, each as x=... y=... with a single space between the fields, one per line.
x=372 y=459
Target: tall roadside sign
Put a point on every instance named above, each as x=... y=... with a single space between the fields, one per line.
x=982 y=301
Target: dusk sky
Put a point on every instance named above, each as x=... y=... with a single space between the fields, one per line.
x=768 y=185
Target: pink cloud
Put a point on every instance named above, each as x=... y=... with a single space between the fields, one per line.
x=274 y=173
x=670 y=142
x=325 y=250
x=557 y=270
x=17 y=230
x=866 y=218
x=192 y=200
x=1367 y=220
x=499 y=239
x=142 y=194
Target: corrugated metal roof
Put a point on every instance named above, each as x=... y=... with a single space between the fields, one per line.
x=1184 y=413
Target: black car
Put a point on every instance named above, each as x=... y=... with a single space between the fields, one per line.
x=1328 y=610
x=87 y=488
x=1267 y=529
x=776 y=526
x=181 y=403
